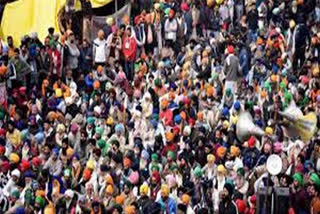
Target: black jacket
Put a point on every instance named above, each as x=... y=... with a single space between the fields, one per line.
x=227 y=208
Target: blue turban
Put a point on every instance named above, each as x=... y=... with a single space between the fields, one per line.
x=119 y=128
x=55 y=151
x=177 y=119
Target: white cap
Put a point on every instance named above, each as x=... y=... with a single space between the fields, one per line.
x=69 y=193
x=16 y=173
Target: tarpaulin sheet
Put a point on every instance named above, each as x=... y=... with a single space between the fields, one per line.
x=25 y=16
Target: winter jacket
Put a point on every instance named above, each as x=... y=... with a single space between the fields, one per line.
x=228 y=208
x=171 y=28
x=129 y=48
x=232 y=68
x=168 y=206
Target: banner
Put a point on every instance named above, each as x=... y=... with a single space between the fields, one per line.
x=97 y=22
x=23 y=17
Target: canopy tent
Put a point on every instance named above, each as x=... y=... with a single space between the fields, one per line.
x=25 y=16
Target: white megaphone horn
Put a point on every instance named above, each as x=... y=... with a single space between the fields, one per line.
x=246 y=127
x=292 y=113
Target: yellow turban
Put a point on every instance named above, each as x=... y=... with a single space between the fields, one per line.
x=14 y=158
x=225 y=124
x=144 y=189
x=292 y=24
x=219 y=1
x=69 y=152
x=109 y=189
x=185 y=198
x=61 y=128
x=165 y=190
x=110 y=121
x=234 y=119
x=269 y=131
x=221 y=169
x=90 y=164
x=58 y=92
x=49 y=210
x=211 y=158
x=109 y=179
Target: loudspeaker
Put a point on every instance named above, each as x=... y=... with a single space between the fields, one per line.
x=264 y=204
x=281 y=200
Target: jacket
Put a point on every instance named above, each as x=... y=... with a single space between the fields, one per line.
x=168 y=207
x=228 y=208
x=171 y=28
x=129 y=48
x=232 y=68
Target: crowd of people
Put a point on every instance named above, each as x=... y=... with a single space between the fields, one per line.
x=143 y=119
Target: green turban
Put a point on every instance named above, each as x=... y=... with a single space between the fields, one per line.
x=240 y=171
x=197 y=172
x=298 y=177
x=155 y=167
x=40 y=200
x=173 y=167
x=315 y=179
x=166 y=11
x=15 y=194
x=99 y=130
x=283 y=85
x=267 y=86
x=154 y=157
x=157 y=82
x=101 y=143
x=228 y=92
x=215 y=76
x=287 y=97
x=172 y=155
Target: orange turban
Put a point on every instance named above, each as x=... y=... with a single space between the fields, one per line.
x=263 y=94
x=185 y=198
x=221 y=151
x=200 y=115
x=86 y=174
x=234 y=151
x=169 y=136
x=100 y=69
x=96 y=85
x=274 y=78
x=210 y=91
x=164 y=103
x=130 y=210
x=120 y=199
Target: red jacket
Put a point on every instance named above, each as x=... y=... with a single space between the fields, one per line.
x=129 y=48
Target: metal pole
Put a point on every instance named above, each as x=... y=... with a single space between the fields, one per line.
x=116 y=10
